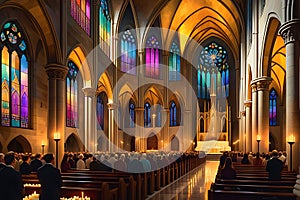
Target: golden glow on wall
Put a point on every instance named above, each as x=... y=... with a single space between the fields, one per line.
x=278 y=63
x=203 y=19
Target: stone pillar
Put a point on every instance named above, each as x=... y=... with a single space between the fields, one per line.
x=263 y=113
x=139 y=136
x=112 y=128
x=165 y=118
x=56 y=106
x=254 y=116
x=90 y=132
x=248 y=127
x=290 y=33
x=242 y=129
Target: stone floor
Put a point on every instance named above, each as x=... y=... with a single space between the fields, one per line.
x=193 y=185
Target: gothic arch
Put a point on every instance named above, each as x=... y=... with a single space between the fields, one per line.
x=269 y=38
x=104 y=85
x=152 y=142
x=19 y=144
x=73 y=144
x=78 y=56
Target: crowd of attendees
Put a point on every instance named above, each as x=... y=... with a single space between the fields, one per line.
x=12 y=165
x=273 y=162
x=132 y=161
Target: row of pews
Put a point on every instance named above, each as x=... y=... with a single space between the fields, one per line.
x=252 y=183
x=117 y=185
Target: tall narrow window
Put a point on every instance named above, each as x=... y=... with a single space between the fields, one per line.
x=273 y=108
x=147 y=115
x=128 y=52
x=152 y=58
x=158 y=115
x=173 y=114
x=81 y=13
x=104 y=27
x=174 y=63
x=72 y=95
x=100 y=112
x=14 y=77
x=213 y=71
x=132 y=114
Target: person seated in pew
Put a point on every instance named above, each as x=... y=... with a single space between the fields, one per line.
x=257 y=161
x=228 y=172
x=25 y=167
x=266 y=159
x=274 y=166
x=245 y=159
x=96 y=165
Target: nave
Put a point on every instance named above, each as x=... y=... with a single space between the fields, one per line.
x=192 y=186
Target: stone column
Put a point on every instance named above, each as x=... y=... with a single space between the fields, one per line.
x=290 y=33
x=242 y=129
x=248 y=130
x=112 y=128
x=90 y=132
x=139 y=136
x=263 y=113
x=254 y=116
x=56 y=106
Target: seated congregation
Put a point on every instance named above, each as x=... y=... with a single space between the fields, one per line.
x=253 y=176
x=98 y=176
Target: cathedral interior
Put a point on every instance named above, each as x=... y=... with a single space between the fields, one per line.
x=131 y=75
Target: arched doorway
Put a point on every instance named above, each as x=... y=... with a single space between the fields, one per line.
x=19 y=144
x=73 y=144
x=174 y=144
x=152 y=142
x=272 y=144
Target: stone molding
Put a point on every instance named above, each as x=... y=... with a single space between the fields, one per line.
x=290 y=31
x=56 y=71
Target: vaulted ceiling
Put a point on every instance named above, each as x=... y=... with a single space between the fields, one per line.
x=193 y=19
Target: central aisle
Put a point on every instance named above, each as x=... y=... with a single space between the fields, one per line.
x=194 y=185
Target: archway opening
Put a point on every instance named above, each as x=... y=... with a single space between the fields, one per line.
x=73 y=144
x=19 y=144
x=152 y=142
x=174 y=144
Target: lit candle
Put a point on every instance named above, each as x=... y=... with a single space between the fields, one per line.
x=258 y=137
x=82 y=195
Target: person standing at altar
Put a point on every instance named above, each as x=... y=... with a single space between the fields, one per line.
x=50 y=179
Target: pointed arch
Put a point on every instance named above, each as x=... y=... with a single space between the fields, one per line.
x=73 y=143
x=269 y=38
x=174 y=143
x=78 y=56
x=152 y=142
x=174 y=60
x=19 y=144
x=15 y=73
x=104 y=85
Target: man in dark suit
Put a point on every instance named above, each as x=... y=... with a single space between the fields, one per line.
x=11 y=185
x=25 y=167
x=274 y=166
x=36 y=162
x=50 y=179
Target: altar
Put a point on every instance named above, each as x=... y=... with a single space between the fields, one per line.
x=213 y=146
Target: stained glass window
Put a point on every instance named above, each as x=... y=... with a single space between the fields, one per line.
x=173 y=113
x=104 y=27
x=213 y=72
x=174 y=63
x=14 y=77
x=128 y=52
x=273 y=108
x=100 y=112
x=152 y=58
x=81 y=13
x=72 y=95
x=132 y=114
x=147 y=115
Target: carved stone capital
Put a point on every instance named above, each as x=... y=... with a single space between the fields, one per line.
x=247 y=103
x=89 y=92
x=112 y=106
x=56 y=71
x=243 y=113
x=290 y=31
x=261 y=83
